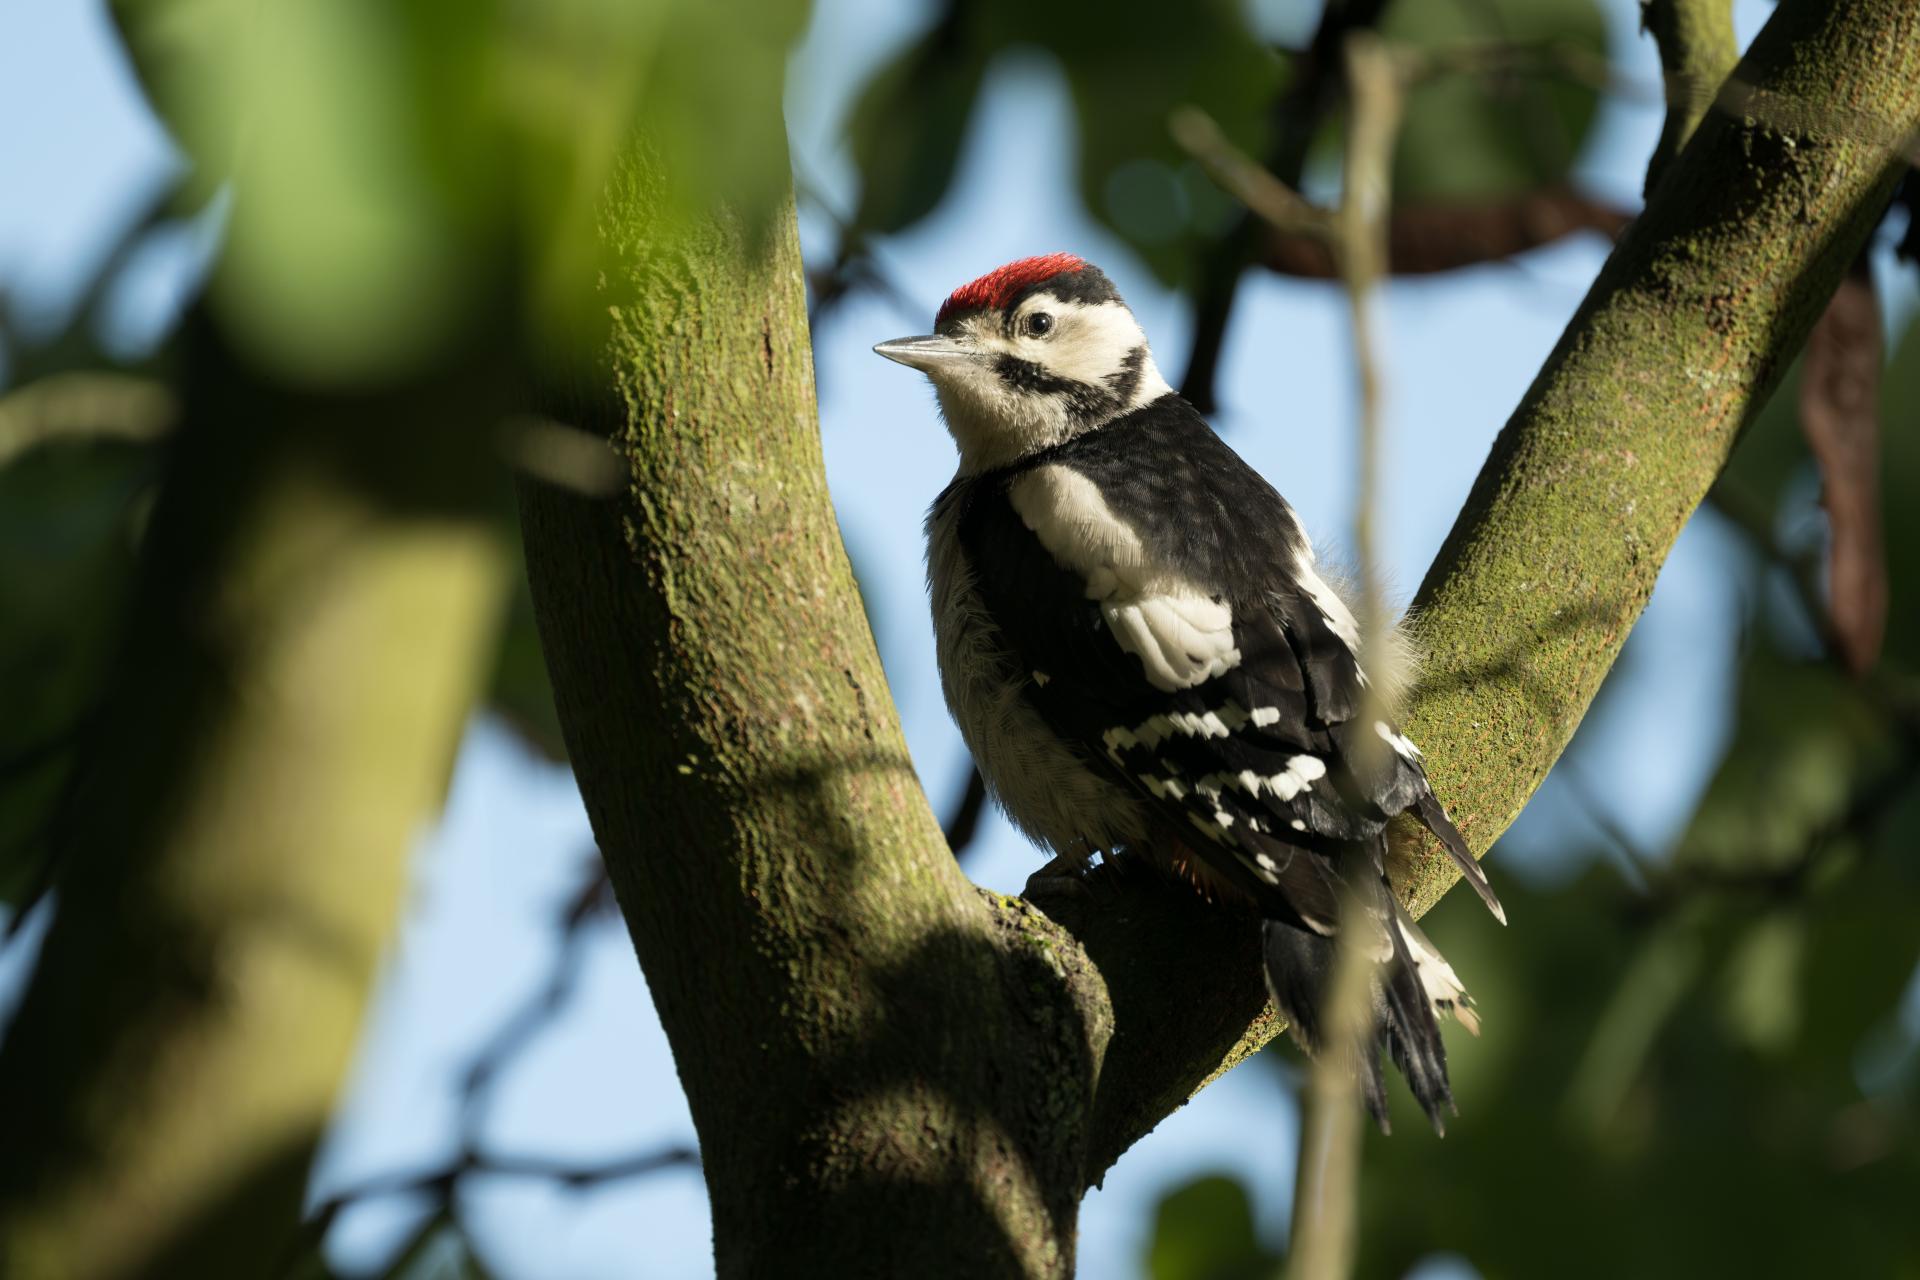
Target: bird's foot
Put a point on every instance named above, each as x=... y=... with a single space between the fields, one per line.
x=1061 y=885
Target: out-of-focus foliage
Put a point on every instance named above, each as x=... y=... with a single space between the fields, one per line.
x=1899 y=476
x=1718 y=1073
x=407 y=178
x=1205 y=1231
x=69 y=516
x=1468 y=138
x=1676 y=1133
x=400 y=168
x=1478 y=138
x=1127 y=66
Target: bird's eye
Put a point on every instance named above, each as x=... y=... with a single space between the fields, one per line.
x=1039 y=324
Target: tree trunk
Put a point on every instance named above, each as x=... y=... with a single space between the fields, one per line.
x=893 y=1073
x=825 y=973
x=308 y=634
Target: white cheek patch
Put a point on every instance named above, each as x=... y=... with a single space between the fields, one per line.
x=1181 y=634
x=1091 y=343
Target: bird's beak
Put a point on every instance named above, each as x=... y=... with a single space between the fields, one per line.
x=925 y=354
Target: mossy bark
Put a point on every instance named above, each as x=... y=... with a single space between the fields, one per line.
x=1697 y=50
x=309 y=632
x=1706 y=300
x=887 y=1067
x=892 y=1073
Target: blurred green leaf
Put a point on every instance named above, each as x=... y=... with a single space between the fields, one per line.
x=1900 y=481
x=907 y=129
x=1471 y=138
x=399 y=167
x=1128 y=70
x=1128 y=65
x=1763 y=978
x=1717 y=1161
x=68 y=518
x=1204 y=1231
x=1807 y=741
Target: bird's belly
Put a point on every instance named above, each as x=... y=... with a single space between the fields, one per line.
x=1047 y=787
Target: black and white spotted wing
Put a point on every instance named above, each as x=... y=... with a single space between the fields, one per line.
x=1255 y=766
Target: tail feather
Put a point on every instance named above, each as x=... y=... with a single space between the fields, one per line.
x=1412 y=986
x=1412 y=1031
x=1434 y=816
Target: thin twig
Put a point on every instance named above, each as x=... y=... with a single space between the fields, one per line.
x=439 y=1182
x=1326 y=1201
x=590 y=901
x=84 y=405
x=1270 y=199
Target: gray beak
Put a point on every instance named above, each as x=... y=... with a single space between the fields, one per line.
x=925 y=354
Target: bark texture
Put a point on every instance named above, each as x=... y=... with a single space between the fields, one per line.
x=893 y=1073
x=309 y=631
x=1697 y=51
x=1707 y=299
x=864 y=1037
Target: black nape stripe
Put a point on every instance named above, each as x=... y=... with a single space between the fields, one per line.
x=1125 y=380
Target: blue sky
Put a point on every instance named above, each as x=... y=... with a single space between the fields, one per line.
x=488 y=878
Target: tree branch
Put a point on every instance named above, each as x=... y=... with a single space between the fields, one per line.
x=1678 y=344
x=1697 y=51
x=863 y=1037
x=1297 y=118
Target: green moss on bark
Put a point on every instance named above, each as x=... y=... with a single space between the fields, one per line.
x=892 y=1074
x=864 y=1039
x=1680 y=341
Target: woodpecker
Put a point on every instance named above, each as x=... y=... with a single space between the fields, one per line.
x=1143 y=658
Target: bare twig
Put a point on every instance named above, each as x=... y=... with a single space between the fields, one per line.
x=1327 y=1185
x=1424 y=239
x=1326 y=1181
x=592 y=900
x=1269 y=199
x=84 y=405
x=1297 y=117
x=439 y=1182
x=856 y=263
x=1697 y=51
x=1633 y=858
x=1498 y=60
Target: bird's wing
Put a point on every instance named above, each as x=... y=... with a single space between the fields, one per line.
x=1228 y=697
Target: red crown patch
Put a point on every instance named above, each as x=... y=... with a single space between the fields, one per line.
x=998 y=287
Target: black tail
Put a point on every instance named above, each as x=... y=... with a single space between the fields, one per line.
x=1411 y=980
x=1433 y=815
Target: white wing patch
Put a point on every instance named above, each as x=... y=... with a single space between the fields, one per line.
x=1398 y=741
x=1333 y=609
x=1181 y=634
